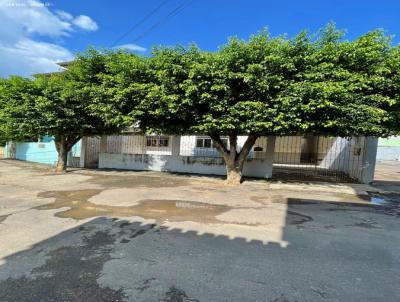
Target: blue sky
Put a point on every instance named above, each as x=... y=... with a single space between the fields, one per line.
x=34 y=35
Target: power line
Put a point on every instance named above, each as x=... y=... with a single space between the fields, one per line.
x=170 y=15
x=136 y=25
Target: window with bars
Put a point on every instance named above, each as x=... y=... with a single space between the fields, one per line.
x=206 y=142
x=157 y=141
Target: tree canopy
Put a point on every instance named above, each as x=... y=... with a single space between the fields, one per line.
x=275 y=86
x=63 y=105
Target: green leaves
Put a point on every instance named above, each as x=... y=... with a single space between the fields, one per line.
x=18 y=115
x=72 y=104
x=265 y=85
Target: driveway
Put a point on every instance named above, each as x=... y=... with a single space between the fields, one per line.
x=144 y=236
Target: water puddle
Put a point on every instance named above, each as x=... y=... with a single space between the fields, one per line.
x=159 y=209
x=378 y=200
x=382 y=199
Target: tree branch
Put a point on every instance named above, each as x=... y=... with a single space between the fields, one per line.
x=71 y=141
x=248 y=145
x=219 y=145
x=233 y=145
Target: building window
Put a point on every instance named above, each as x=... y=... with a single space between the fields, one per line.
x=206 y=142
x=157 y=141
x=203 y=142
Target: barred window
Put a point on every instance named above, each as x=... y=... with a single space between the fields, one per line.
x=206 y=142
x=203 y=142
x=157 y=141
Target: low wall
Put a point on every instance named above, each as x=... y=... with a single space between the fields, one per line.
x=260 y=168
x=388 y=153
x=43 y=152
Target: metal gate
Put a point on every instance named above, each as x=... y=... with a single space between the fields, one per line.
x=318 y=158
x=92 y=151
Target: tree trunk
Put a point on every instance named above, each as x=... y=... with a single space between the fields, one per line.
x=62 y=159
x=233 y=173
x=234 y=160
x=63 y=146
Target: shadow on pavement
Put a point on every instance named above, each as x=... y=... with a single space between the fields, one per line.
x=336 y=252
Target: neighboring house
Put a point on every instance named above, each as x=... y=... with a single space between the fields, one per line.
x=389 y=148
x=42 y=151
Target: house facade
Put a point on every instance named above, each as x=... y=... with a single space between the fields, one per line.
x=286 y=158
x=42 y=151
x=340 y=158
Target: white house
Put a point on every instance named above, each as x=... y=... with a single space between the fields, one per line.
x=341 y=158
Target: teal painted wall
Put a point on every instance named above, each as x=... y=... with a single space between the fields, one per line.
x=42 y=152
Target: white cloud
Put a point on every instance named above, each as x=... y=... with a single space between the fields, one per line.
x=132 y=47
x=86 y=23
x=23 y=25
x=28 y=57
x=64 y=15
x=30 y=18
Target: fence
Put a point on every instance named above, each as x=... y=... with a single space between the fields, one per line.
x=319 y=158
x=294 y=157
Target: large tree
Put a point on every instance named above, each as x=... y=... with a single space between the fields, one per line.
x=270 y=86
x=235 y=91
x=64 y=105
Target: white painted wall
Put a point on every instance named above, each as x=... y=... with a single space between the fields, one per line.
x=185 y=163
